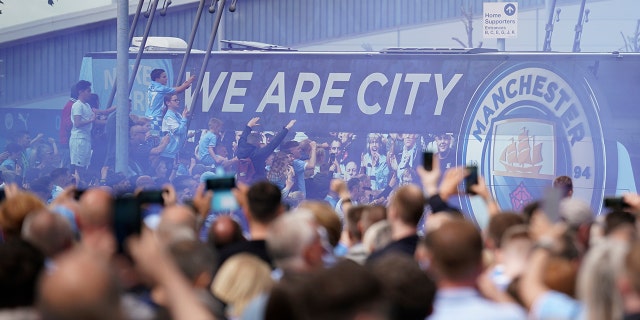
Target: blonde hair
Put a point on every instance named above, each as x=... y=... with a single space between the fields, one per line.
x=597 y=280
x=215 y=125
x=15 y=209
x=241 y=278
x=326 y=217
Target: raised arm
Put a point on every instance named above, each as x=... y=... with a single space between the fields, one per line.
x=481 y=190
x=185 y=85
x=275 y=142
x=311 y=163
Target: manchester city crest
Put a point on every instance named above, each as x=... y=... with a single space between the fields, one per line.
x=527 y=124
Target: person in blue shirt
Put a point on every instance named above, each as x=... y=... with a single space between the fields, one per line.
x=208 y=142
x=455 y=259
x=155 y=95
x=12 y=163
x=174 y=124
x=299 y=166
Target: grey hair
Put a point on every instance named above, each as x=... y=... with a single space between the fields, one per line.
x=288 y=237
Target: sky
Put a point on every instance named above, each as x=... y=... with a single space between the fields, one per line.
x=15 y=12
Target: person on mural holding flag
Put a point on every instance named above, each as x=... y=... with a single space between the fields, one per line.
x=405 y=162
x=374 y=162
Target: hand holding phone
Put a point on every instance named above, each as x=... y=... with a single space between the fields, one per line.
x=223 y=199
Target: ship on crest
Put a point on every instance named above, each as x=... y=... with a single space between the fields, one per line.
x=524 y=155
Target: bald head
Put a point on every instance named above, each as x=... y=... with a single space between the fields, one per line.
x=225 y=231
x=177 y=222
x=49 y=232
x=80 y=287
x=95 y=208
x=179 y=215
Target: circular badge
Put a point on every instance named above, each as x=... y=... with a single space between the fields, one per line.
x=526 y=125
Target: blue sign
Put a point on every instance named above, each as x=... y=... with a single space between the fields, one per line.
x=523 y=119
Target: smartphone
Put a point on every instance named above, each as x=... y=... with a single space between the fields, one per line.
x=77 y=194
x=151 y=197
x=223 y=199
x=615 y=203
x=551 y=203
x=427 y=160
x=151 y=202
x=471 y=179
x=127 y=219
x=332 y=158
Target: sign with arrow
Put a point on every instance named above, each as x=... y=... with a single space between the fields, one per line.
x=499 y=20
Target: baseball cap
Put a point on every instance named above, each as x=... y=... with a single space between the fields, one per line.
x=575 y=212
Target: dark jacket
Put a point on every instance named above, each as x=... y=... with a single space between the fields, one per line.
x=258 y=155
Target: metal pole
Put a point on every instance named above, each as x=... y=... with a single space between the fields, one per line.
x=131 y=32
x=551 y=7
x=122 y=72
x=501 y=41
x=143 y=43
x=192 y=38
x=136 y=17
x=203 y=69
x=578 y=29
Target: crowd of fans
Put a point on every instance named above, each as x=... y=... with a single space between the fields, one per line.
x=66 y=259
x=163 y=148
x=323 y=230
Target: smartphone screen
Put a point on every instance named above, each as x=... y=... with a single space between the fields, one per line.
x=127 y=219
x=77 y=194
x=615 y=203
x=471 y=179
x=223 y=199
x=551 y=204
x=151 y=196
x=151 y=203
x=427 y=160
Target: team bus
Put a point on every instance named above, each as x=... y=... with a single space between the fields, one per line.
x=521 y=118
